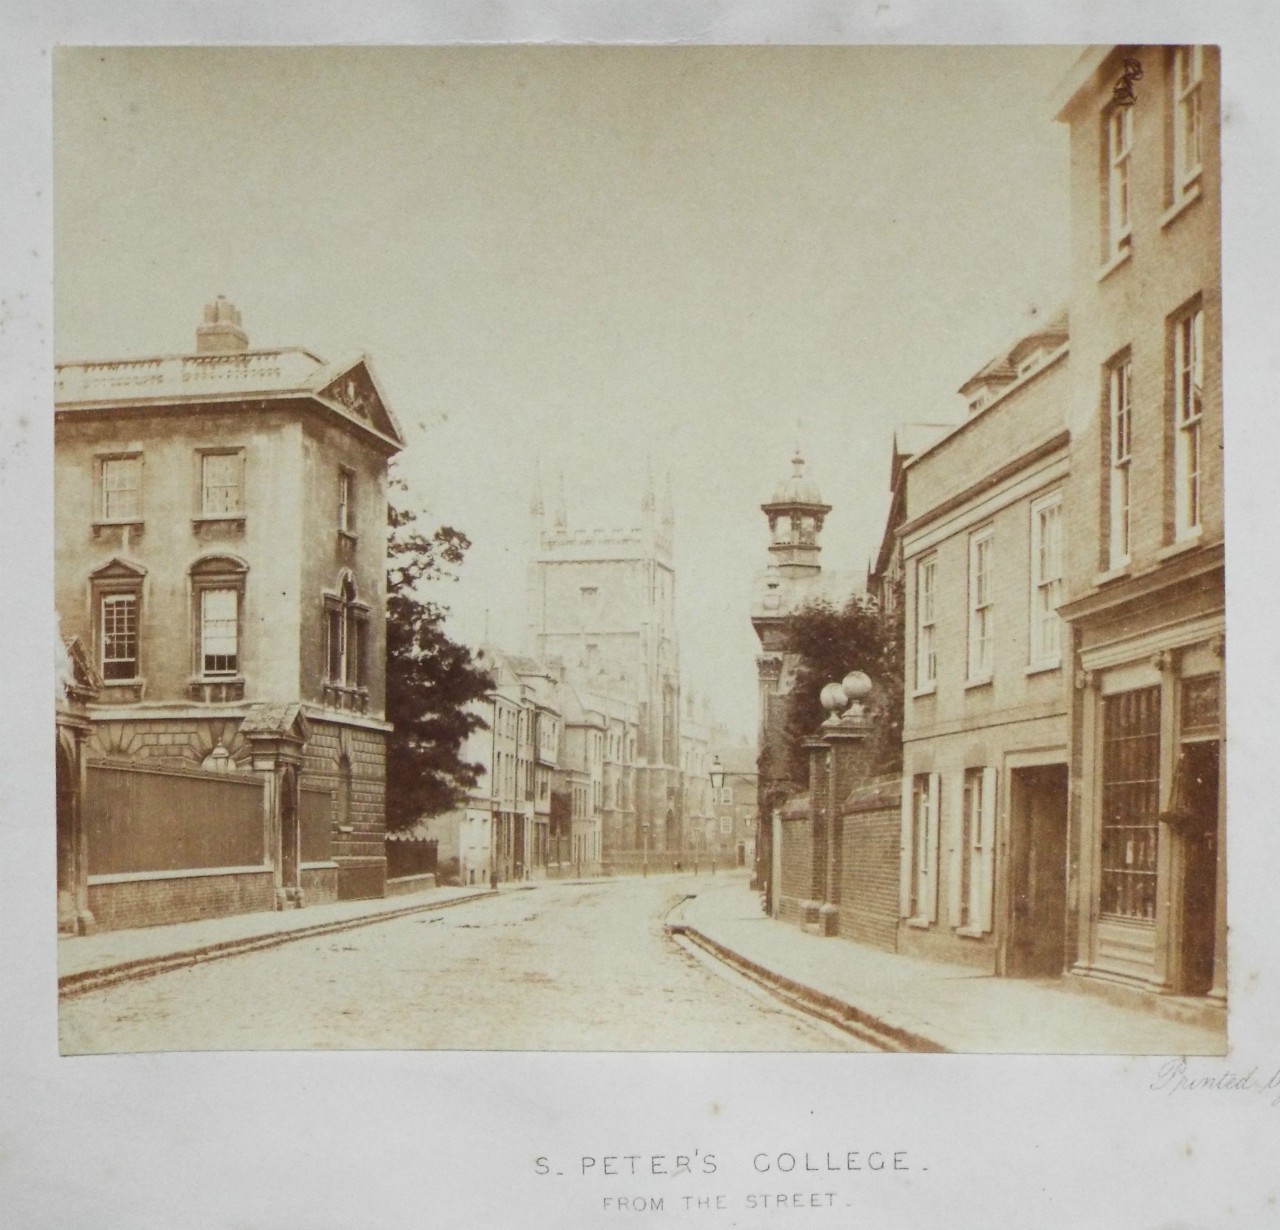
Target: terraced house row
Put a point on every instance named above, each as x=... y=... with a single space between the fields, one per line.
x=1056 y=560
x=1063 y=795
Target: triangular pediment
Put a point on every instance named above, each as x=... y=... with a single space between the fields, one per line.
x=355 y=393
x=118 y=569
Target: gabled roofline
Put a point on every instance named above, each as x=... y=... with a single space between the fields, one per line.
x=331 y=372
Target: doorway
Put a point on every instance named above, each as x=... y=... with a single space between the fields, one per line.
x=1037 y=872
x=1197 y=791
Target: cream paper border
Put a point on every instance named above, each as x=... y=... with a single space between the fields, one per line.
x=276 y=1141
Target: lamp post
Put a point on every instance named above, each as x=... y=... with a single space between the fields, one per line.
x=645 y=828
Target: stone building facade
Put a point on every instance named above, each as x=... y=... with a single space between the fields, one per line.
x=503 y=828
x=221 y=555
x=1145 y=564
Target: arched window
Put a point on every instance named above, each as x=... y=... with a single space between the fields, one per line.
x=347 y=646
x=217 y=627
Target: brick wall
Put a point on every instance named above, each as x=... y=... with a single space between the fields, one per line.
x=1173 y=260
x=152 y=902
x=797 y=866
x=872 y=833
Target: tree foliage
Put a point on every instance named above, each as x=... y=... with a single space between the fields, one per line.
x=431 y=679
x=829 y=642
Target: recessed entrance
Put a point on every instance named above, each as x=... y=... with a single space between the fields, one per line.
x=1198 y=822
x=1037 y=872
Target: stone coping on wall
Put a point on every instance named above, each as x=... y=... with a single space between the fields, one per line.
x=875 y=795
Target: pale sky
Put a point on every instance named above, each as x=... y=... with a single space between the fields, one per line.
x=596 y=258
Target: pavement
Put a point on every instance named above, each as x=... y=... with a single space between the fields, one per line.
x=88 y=962
x=904 y=1002
x=929 y=1005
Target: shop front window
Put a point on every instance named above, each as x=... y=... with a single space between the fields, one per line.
x=1130 y=803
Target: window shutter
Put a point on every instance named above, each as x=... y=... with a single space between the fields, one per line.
x=956 y=854
x=906 y=868
x=931 y=882
x=988 y=847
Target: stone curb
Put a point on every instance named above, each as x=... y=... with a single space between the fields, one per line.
x=144 y=967
x=848 y=1016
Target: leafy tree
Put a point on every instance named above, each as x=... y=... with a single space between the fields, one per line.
x=830 y=642
x=431 y=679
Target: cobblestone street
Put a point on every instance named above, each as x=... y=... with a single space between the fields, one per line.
x=560 y=966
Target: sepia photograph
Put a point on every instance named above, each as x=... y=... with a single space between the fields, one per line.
x=631 y=604
x=542 y=533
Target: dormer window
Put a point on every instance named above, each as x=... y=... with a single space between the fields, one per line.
x=1028 y=365
x=978 y=403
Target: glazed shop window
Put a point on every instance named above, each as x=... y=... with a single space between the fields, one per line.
x=1130 y=803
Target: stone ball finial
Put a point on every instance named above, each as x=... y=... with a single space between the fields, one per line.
x=856 y=685
x=833 y=698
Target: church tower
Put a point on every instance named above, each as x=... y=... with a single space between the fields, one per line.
x=602 y=603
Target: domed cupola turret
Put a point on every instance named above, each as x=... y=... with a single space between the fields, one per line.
x=796 y=513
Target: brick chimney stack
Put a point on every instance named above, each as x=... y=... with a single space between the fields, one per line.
x=220 y=331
